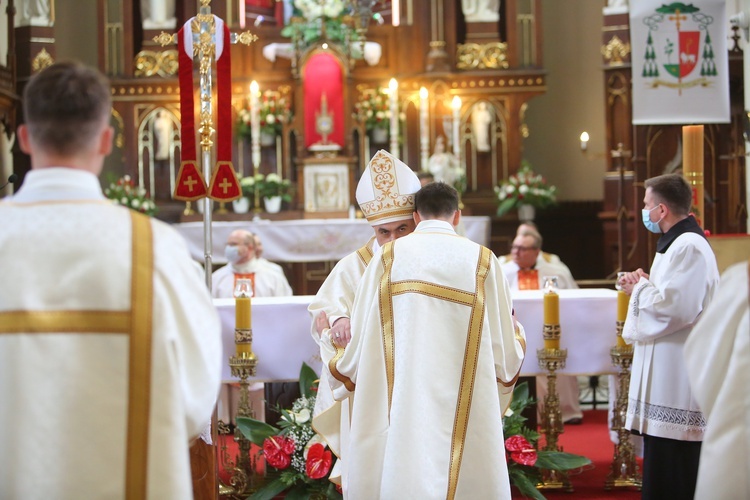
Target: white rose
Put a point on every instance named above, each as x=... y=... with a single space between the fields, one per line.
x=509 y=189
x=270 y=119
x=273 y=178
x=135 y=203
x=523 y=189
x=379 y=115
x=124 y=201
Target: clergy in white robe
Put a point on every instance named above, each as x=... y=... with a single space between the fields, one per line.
x=526 y=269
x=717 y=354
x=664 y=307
x=110 y=347
x=242 y=263
x=431 y=367
x=335 y=297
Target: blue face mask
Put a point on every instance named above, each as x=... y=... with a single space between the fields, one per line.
x=232 y=254
x=651 y=226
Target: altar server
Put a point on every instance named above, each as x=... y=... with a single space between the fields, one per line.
x=664 y=307
x=110 y=347
x=331 y=308
x=717 y=354
x=434 y=358
x=243 y=263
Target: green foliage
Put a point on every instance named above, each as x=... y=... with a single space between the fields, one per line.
x=123 y=191
x=525 y=188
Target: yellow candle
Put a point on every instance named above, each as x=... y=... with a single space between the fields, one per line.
x=551 y=308
x=242 y=313
x=551 y=344
x=244 y=350
x=692 y=165
x=622 y=305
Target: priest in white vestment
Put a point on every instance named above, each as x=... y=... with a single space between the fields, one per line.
x=664 y=307
x=110 y=347
x=717 y=354
x=431 y=366
x=526 y=270
x=331 y=308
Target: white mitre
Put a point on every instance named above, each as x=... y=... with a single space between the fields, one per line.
x=385 y=192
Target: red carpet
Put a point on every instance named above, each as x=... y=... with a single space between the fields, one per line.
x=590 y=439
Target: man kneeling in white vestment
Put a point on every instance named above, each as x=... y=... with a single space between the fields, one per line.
x=110 y=347
x=434 y=359
x=389 y=208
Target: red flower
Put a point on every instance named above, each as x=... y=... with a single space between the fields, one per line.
x=278 y=451
x=318 y=461
x=520 y=450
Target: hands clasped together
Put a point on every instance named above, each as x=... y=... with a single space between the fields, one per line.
x=341 y=331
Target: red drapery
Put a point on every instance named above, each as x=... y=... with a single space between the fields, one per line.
x=323 y=75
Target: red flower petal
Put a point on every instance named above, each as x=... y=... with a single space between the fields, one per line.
x=318 y=461
x=525 y=457
x=517 y=443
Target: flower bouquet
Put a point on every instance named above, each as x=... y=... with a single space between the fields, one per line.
x=248 y=185
x=373 y=109
x=524 y=460
x=275 y=110
x=273 y=185
x=313 y=18
x=124 y=192
x=294 y=449
x=525 y=188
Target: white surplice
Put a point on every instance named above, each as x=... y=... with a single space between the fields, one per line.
x=63 y=418
x=336 y=298
x=434 y=360
x=718 y=358
x=268 y=281
x=661 y=314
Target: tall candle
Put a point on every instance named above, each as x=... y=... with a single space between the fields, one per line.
x=551 y=316
x=393 y=101
x=243 y=314
x=456 y=105
x=692 y=165
x=255 y=123
x=623 y=299
x=424 y=131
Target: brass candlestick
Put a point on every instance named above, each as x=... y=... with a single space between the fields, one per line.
x=624 y=470
x=243 y=366
x=551 y=360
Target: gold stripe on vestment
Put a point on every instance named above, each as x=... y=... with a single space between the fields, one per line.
x=433 y=290
x=365 y=253
x=521 y=341
x=139 y=387
x=65 y=322
x=468 y=373
x=335 y=371
x=386 y=319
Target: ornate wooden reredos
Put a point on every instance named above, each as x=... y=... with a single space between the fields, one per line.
x=496 y=63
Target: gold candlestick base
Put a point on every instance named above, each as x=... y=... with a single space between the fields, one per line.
x=552 y=360
x=188 y=209
x=624 y=471
x=222 y=208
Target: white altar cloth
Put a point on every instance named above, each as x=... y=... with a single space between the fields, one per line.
x=304 y=240
x=282 y=341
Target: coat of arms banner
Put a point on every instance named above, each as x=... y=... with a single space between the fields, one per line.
x=680 y=62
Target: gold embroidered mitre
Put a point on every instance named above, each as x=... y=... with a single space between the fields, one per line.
x=385 y=192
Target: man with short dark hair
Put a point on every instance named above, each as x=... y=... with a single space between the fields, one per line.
x=664 y=307
x=434 y=360
x=110 y=347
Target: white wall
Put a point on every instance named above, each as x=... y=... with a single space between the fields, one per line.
x=574 y=101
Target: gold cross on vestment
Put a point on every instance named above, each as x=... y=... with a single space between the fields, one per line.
x=190 y=182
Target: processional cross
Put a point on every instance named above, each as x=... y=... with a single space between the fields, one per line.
x=206 y=38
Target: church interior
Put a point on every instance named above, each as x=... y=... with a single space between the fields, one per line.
x=473 y=91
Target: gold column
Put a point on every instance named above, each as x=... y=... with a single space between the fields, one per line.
x=692 y=166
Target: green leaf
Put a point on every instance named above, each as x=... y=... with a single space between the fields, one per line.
x=269 y=490
x=297 y=492
x=524 y=484
x=521 y=391
x=307 y=378
x=255 y=430
x=558 y=460
x=506 y=206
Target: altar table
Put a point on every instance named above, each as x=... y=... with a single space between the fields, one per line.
x=282 y=339
x=304 y=240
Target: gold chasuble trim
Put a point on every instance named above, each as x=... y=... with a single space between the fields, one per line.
x=365 y=253
x=139 y=388
x=468 y=373
x=386 y=319
x=335 y=371
x=137 y=324
x=521 y=341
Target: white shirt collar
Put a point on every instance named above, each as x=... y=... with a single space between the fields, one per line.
x=58 y=183
x=435 y=226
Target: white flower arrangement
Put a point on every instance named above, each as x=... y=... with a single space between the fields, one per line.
x=525 y=188
x=124 y=192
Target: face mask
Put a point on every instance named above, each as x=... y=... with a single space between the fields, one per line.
x=232 y=254
x=651 y=226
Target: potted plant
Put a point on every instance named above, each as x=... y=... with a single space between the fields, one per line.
x=273 y=189
x=525 y=191
x=374 y=111
x=248 y=187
